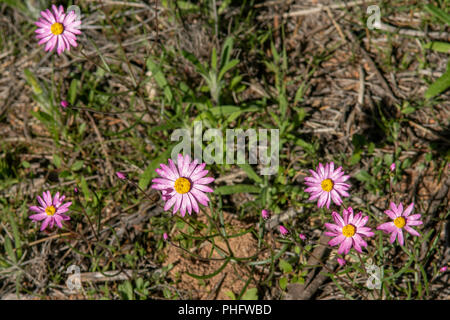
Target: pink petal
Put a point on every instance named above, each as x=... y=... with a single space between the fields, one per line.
x=38 y=217
x=315 y=195
x=37 y=209
x=188 y=203
x=414 y=217
x=206 y=180
x=193 y=202
x=338 y=219
x=393 y=235
x=394 y=209
x=58 y=220
x=45 y=223
x=322 y=199
x=163 y=181
x=180 y=164
x=413 y=223
x=412 y=231
x=47 y=198
x=408 y=210
x=388 y=227
x=60 y=46
x=203 y=188
x=177 y=205
x=51 y=44
x=345 y=246
x=321 y=171
x=390 y=214
x=63 y=216
x=183 y=204
x=200 y=196
x=165 y=172
x=400 y=236
x=333 y=227
x=337 y=240
x=191 y=168
x=316 y=176
x=174 y=169
x=335 y=197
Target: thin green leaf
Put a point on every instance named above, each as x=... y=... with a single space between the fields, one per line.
x=145 y=178
x=238 y=188
x=439 y=13
x=440 y=85
x=211 y=274
x=438 y=46
x=251 y=173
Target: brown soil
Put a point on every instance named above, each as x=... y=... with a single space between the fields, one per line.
x=232 y=278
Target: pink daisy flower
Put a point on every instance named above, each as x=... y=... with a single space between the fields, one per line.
x=348 y=231
x=184 y=185
x=402 y=220
x=58 y=29
x=327 y=184
x=50 y=210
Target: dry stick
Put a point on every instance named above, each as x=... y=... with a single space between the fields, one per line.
x=101 y=112
x=121 y=48
x=103 y=146
x=55 y=236
x=430 y=132
x=338 y=28
x=121 y=3
x=411 y=32
x=320 y=8
x=373 y=66
x=87 y=216
x=215 y=290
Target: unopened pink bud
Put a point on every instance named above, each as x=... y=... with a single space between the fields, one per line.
x=392 y=167
x=265 y=214
x=341 y=261
x=120 y=175
x=284 y=231
x=64 y=104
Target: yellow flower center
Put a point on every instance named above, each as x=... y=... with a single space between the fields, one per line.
x=400 y=222
x=50 y=210
x=327 y=185
x=57 y=28
x=348 y=230
x=182 y=185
